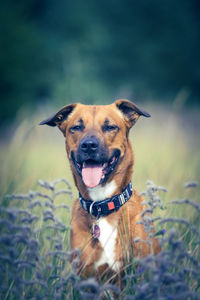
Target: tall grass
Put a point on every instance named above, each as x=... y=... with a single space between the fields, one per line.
x=35 y=253
x=34 y=227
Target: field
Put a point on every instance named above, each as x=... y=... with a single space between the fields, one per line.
x=166 y=148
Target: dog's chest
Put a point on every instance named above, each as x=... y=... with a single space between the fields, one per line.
x=108 y=232
x=107 y=239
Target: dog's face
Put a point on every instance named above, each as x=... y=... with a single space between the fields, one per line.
x=96 y=137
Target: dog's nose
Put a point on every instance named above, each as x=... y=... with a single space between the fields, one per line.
x=89 y=145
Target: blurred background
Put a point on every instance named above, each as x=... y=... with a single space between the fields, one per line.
x=57 y=52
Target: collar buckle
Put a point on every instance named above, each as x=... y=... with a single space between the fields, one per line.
x=92 y=213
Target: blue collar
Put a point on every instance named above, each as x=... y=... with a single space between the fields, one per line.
x=102 y=208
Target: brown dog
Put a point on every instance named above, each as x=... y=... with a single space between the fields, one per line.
x=104 y=218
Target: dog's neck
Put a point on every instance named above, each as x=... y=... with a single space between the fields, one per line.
x=104 y=207
x=102 y=192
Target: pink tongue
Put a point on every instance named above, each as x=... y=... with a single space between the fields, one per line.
x=92 y=175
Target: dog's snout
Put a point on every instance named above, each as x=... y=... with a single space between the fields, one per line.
x=89 y=145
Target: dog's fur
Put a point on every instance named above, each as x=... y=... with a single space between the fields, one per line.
x=108 y=126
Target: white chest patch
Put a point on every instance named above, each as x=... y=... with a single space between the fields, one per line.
x=108 y=234
x=100 y=192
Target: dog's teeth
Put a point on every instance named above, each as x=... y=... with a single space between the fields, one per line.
x=105 y=165
x=84 y=164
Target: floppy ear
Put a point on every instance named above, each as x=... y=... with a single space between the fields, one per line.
x=130 y=111
x=59 y=118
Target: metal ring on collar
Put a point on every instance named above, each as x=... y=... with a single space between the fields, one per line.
x=90 y=210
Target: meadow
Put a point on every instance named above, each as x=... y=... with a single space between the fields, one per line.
x=34 y=228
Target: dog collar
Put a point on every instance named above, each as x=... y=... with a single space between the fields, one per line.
x=102 y=208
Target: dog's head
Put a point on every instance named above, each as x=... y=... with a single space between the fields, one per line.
x=96 y=137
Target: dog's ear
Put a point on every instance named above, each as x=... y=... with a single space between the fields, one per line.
x=130 y=111
x=59 y=119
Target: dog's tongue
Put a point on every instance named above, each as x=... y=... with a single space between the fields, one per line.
x=92 y=174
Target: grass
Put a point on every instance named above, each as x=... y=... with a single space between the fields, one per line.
x=34 y=232
x=35 y=255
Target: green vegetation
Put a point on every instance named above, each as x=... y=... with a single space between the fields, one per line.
x=35 y=254
x=61 y=51
x=54 y=53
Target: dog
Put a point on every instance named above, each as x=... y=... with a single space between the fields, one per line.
x=106 y=217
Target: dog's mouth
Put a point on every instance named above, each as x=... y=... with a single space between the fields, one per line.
x=95 y=172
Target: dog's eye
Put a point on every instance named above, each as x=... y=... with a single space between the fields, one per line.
x=109 y=127
x=76 y=128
